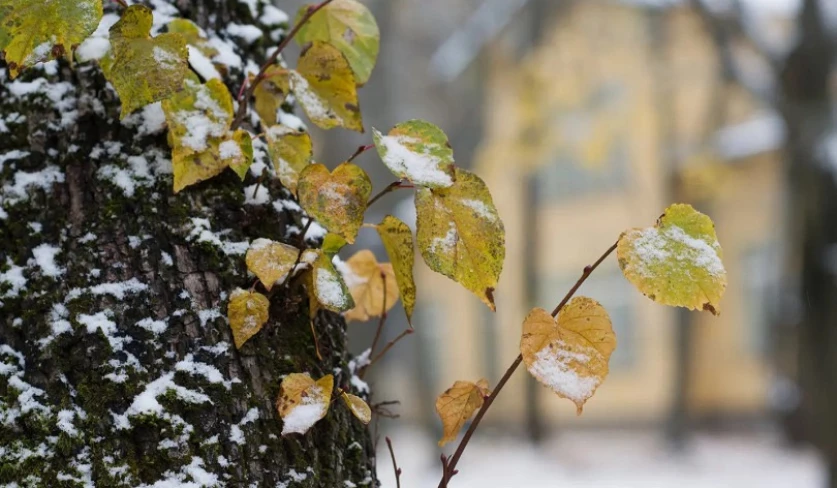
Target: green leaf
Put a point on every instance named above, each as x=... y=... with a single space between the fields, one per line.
x=332 y=243
x=337 y=200
x=194 y=35
x=325 y=87
x=36 y=31
x=677 y=262
x=460 y=234
x=350 y=27
x=199 y=118
x=291 y=151
x=398 y=242
x=143 y=69
x=418 y=151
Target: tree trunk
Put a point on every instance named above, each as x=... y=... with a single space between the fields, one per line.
x=807 y=106
x=117 y=367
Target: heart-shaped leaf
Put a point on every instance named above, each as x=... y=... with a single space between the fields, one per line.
x=457 y=404
x=303 y=402
x=460 y=234
x=247 y=313
x=271 y=261
x=291 y=151
x=337 y=199
x=677 y=262
x=569 y=355
x=367 y=280
x=418 y=151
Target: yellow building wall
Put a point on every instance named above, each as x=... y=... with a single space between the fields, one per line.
x=603 y=44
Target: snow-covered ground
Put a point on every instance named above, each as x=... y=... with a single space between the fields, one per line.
x=605 y=459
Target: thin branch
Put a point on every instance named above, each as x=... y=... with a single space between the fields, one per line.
x=123 y=3
x=394 y=464
x=389 y=188
x=389 y=346
x=360 y=150
x=380 y=329
x=316 y=341
x=449 y=464
x=243 y=100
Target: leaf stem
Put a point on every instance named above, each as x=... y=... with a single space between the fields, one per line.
x=389 y=188
x=360 y=150
x=245 y=96
x=449 y=467
x=394 y=464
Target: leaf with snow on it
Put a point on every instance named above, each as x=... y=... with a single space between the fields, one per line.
x=271 y=261
x=143 y=69
x=290 y=151
x=677 y=262
x=329 y=288
x=199 y=119
x=569 y=355
x=367 y=279
x=337 y=199
x=418 y=151
x=325 y=87
x=303 y=402
x=460 y=234
x=359 y=408
x=457 y=404
x=350 y=27
x=33 y=32
x=247 y=313
x=398 y=242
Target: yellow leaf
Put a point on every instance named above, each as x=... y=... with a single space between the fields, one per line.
x=143 y=69
x=358 y=407
x=337 y=199
x=350 y=27
x=33 y=32
x=569 y=355
x=460 y=234
x=270 y=94
x=418 y=151
x=194 y=35
x=247 y=313
x=367 y=279
x=457 y=404
x=291 y=151
x=398 y=242
x=677 y=262
x=271 y=261
x=303 y=402
x=330 y=290
x=199 y=118
x=325 y=87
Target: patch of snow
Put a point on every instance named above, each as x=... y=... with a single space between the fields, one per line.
x=261 y=197
x=202 y=65
x=420 y=168
x=302 y=417
x=273 y=16
x=248 y=33
x=45 y=259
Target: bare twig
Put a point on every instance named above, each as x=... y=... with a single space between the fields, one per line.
x=394 y=464
x=316 y=342
x=360 y=150
x=245 y=97
x=123 y=3
x=380 y=329
x=449 y=464
x=389 y=346
x=389 y=188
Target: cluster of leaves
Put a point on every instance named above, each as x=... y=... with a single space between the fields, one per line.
x=458 y=231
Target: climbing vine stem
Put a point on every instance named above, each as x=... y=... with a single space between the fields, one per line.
x=449 y=464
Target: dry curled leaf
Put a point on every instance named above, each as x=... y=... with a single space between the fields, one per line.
x=367 y=279
x=398 y=242
x=337 y=199
x=247 y=313
x=271 y=261
x=677 y=262
x=303 y=402
x=358 y=407
x=457 y=404
x=569 y=355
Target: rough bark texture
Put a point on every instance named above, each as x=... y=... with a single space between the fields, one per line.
x=117 y=368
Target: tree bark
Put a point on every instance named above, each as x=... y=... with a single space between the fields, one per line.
x=117 y=367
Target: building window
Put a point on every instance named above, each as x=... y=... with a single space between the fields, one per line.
x=608 y=287
x=761 y=275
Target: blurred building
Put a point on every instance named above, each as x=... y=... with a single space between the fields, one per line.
x=597 y=115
